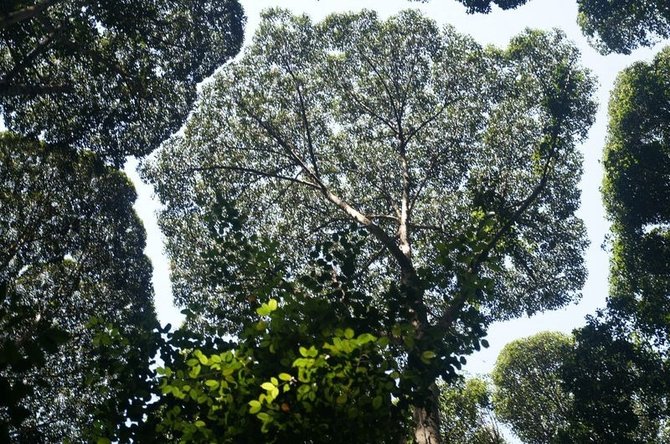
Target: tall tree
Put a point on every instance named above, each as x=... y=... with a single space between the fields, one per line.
x=636 y=190
x=459 y=162
x=71 y=261
x=624 y=25
x=619 y=386
x=529 y=393
x=111 y=77
x=598 y=385
x=620 y=370
x=611 y=25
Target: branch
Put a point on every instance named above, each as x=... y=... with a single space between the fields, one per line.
x=8 y=90
x=381 y=235
x=272 y=175
x=384 y=217
x=459 y=300
x=305 y=122
x=283 y=143
x=26 y=61
x=388 y=93
x=26 y=13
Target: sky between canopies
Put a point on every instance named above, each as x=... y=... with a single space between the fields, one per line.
x=495 y=28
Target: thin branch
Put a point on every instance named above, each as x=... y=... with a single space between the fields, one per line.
x=384 y=217
x=386 y=89
x=349 y=92
x=271 y=175
x=283 y=143
x=305 y=122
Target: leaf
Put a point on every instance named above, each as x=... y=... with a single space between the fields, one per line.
x=349 y=333
x=212 y=384
x=264 y=417
x=377 y=402
x=268 y=386
x=427 y=355
x=285 y=377
x=254 y=406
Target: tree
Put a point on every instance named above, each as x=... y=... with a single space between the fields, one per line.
x=72 y=266
x=466 y=413
x=484 y=6
x=598 y=385
x=623 y=25
x=619 y=385
x=611 y=25
x=529 y=393
x=619 y=371
x=302 y=370
x=113 y=77
x=635 y=190
x=459 y=162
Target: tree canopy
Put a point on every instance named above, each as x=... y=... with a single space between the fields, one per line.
x=636 y=189
x=466 y=411
x=624 y=25
x=111 y=77
x=72 y=268
x=529 y=393
x=458 y=162
x=611 y=25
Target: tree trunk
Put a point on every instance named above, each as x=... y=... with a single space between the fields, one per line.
x=426 y=416
x=427 y=420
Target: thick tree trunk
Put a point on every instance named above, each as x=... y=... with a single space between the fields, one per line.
x=426 y=415
x=427 y=421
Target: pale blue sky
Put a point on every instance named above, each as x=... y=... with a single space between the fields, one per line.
x=495 y=28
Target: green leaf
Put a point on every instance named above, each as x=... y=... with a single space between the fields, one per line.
x=428 y=354
x=268 y=386
x=377 y=402
x=285 y=377
x=349 y=333
x=212 y=384
x=254 y=407
x=264 y=417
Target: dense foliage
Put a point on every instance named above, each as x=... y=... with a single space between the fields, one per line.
x=466 y=412
x=458 y=162
x=619 y=385
x=624 y=25
x=529 y=395
x=71 y=267
x=112 y=77
x=636 y=191
x=611 y=25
